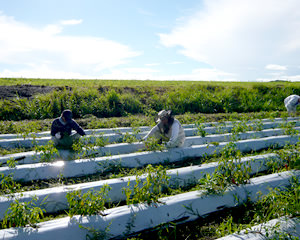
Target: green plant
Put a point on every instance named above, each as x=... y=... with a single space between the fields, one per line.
x=8 y=185
x=131 y=137
x=289 y=128
x=239 y=127
x=85 y=146
x=278 y=203
x=20 y=214
x=89 y=203
x=257 y=125
x=150 y=188
x=96 y=234
x=228 y=227
x=154 y=144
x=11 y=163
x=230 y=171
x=201 y=129
x=47 y=152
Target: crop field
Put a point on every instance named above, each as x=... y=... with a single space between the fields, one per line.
x=237 y=176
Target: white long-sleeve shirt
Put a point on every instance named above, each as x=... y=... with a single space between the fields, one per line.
x=175 y=134
x=291 y=103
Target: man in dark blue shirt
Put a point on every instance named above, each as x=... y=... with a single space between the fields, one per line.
x=61 y=130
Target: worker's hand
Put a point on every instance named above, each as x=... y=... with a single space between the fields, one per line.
x=58 y=135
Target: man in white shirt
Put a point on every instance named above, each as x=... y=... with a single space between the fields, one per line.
x=168 y=128
x=291 y=103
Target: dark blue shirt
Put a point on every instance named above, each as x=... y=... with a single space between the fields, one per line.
x=66 y=129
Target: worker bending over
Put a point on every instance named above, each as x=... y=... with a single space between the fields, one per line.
x=291 y=103
x=61 y=130
x=168 y=128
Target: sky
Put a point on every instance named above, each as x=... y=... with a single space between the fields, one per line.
x=209 y=40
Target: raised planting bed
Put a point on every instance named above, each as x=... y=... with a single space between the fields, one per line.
x=274 y=229
x=116 y=137
x=142 y=129
x=180 y=177
x=134 y=218
x=124 y=148
x=81 y=167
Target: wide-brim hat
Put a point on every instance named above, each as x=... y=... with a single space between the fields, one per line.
x=163 y=114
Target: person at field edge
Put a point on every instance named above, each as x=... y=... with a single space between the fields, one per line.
x=61 y=130
x=167 y=128
x=291 y=103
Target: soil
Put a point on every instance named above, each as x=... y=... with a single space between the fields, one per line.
x=24 y=91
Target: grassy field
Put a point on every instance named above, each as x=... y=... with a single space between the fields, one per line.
x=107 y=98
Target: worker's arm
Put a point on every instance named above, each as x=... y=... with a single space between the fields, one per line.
x=174 y=135
x=54 y=128
x=77 y=128
x=153 y=132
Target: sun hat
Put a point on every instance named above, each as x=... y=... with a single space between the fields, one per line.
x=163 y=114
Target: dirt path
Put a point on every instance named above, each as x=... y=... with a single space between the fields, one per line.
x=23 y=91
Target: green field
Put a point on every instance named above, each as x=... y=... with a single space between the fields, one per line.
x=29 y=105
x=108 y=98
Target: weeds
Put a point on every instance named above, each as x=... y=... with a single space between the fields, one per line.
x=85 y=146
x=8 y=185
x=201 y=129
x=20 y=214
x=47 y=152
x=230 y=171
x=148 y=190
x=131 y=137
x=154 y=144
x=89 y=203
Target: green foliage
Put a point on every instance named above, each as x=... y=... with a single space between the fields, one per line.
x=11 y=163
x=116 y=99
x=239 y=127
x=257 y=125
x=228 y=227
x=200 y=127
x=47 y=152
x=289 y=128
x=20 y=214
x=95 y=234
x=86 y=145
x=89 y=203
x=131 y=137
x=154 y=144
x=230 y=171
x=8 y=185
x=278 y=203
x=148 y=190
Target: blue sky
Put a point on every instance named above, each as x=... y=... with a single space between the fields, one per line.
x=227 y=40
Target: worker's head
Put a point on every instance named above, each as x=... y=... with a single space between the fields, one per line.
x=66 y=115
x=163 y=117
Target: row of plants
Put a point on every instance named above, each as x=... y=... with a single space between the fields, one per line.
x=24 y=128
x=150 y=190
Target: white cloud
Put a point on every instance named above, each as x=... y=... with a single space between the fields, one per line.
x=43 y=71
x=140 y=70
x=175 y=62
x=234 y=35
x=151 y=64
x=144 y=12
x=276 y=67
x=71 y=22
x=25 y=45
